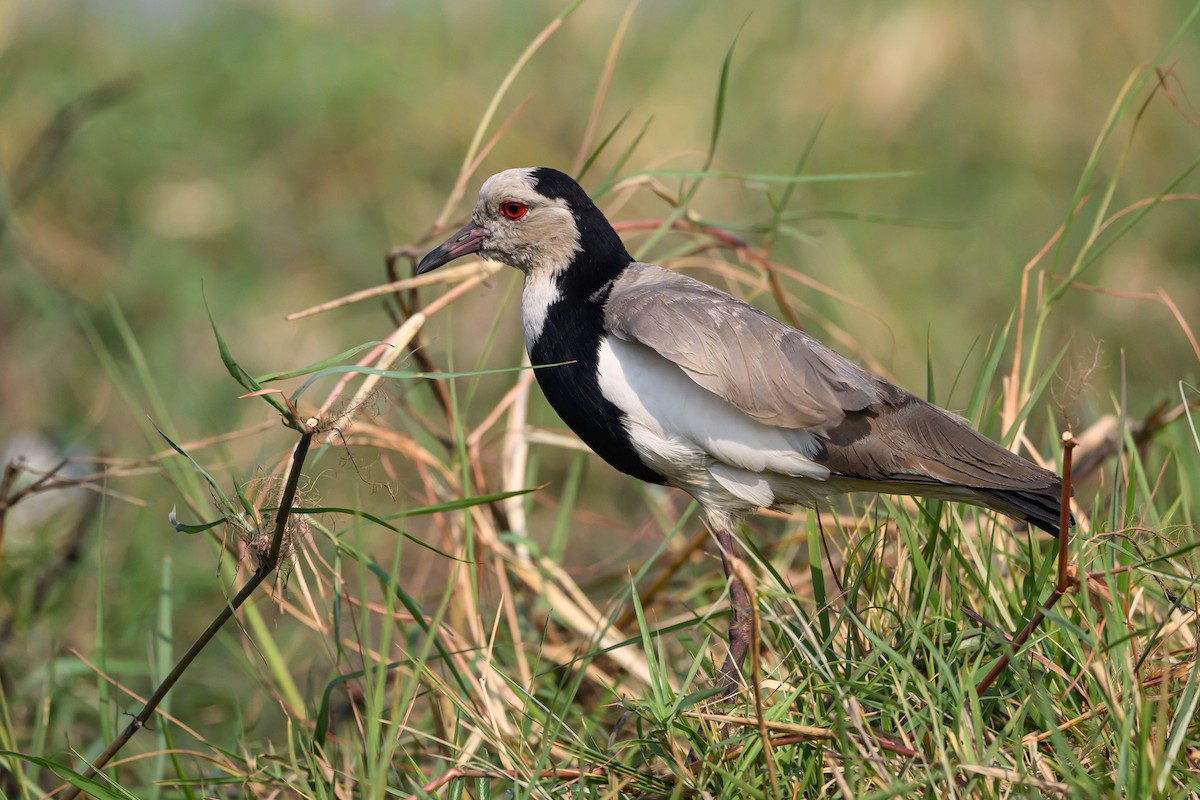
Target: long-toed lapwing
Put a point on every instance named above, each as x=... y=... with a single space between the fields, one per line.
x=675 y=382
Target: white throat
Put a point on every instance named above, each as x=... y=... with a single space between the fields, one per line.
x=540 y=292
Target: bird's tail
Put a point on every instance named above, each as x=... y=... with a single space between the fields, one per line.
x=1040 y=507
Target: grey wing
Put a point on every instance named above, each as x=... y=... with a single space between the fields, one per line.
x=868 y=429
x=770 y=371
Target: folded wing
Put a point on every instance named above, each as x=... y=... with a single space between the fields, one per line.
x=772 y=372
x=869 y=429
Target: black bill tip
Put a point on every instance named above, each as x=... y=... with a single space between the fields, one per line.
x=468 y=240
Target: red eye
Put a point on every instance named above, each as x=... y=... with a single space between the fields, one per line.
x=513 y=210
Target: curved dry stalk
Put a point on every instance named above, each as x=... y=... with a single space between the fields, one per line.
x=385 y=355
x=446 y=275
x=746 y=576
x=470 y=159
x=610 y=67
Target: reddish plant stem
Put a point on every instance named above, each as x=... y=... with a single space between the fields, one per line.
x=1061 y=585
x=1064 y=514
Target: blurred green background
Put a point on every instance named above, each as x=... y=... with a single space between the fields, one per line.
x=267 y=154
x=273 y=151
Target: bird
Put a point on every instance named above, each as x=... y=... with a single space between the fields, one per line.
x=675 y=382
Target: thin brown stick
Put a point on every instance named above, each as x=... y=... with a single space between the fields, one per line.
x=794 y=733
x=10 y=478
x=1064 y=513
x=265 y=568
x=113 y=682
x=408 y=303
x=1182 y=322
x=1062 y=585
x=1017 y=641
x=746 y=576
x=781 y=297
x=68 y=554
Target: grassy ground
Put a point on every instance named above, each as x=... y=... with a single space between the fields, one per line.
x=993 y=206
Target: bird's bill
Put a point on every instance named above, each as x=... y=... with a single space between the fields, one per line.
x=468 y=240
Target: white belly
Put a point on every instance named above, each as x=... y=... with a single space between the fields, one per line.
x=702 y=443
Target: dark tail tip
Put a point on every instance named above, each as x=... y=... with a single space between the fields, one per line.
x=1040 y=508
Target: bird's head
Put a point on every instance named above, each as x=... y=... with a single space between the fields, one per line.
x=533 y=219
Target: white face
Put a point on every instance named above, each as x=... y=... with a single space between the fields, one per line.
x=526 y=230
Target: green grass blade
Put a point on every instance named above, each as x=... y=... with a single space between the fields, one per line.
x=400 y=374
x=351 y=512
x=611 y=180
x=600 y=148
x=162 y=654
x=183 y=527
x=244 y=379
x=719 y=105
x=93 y=787
x=767 y=177
x=230 y=509
x=311 y=368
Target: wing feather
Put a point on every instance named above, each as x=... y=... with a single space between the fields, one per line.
x=770 y=371
x=869 y=429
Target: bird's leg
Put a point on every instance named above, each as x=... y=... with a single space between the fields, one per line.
x=741 y=621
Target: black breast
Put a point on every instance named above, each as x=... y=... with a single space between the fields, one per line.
x=574 y=328
x=573 y=334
